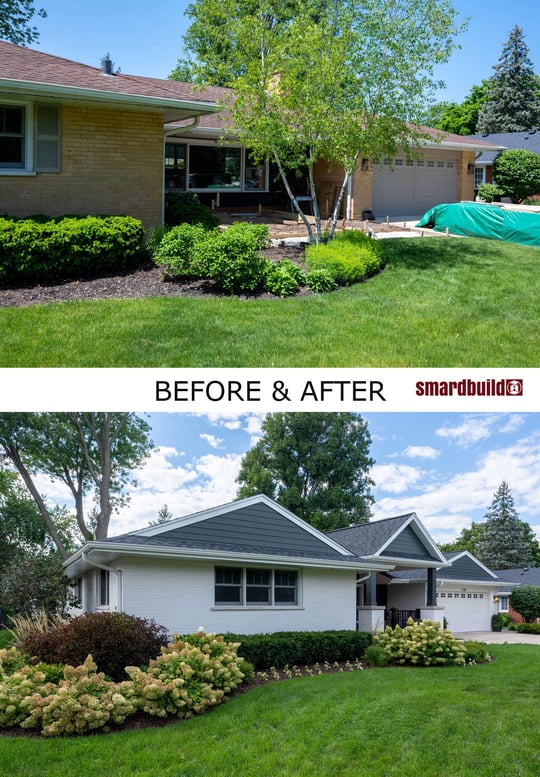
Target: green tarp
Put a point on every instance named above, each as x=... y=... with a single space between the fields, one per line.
x=476 y=219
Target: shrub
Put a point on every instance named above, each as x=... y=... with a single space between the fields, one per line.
x=489 y=191
x=320 y=281
x=186 y=208
x=114 y=639
x=191 y=674
x=67 y=248
x=377 y=656
x=517 y=172
x=232 y=257
x=526 y=601
x=421 y=644
x=476 y=652
x=528 y=628
x=284 y=648
x=350 y=257
x=175 y=252
x=284 y=278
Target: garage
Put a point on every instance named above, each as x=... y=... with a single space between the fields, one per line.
x=410 y=187
x=465 y=610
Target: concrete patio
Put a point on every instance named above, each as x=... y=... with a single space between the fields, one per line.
x=499 y=637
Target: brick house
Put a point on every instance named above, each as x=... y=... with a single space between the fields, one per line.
x=80 y=139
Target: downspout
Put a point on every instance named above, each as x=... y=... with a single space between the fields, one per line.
x=117 y=572
x=166 y=134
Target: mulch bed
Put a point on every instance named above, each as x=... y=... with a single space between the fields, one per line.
x=139 y=283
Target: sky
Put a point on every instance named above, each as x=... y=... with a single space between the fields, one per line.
x=445 y=467
x=145 y=38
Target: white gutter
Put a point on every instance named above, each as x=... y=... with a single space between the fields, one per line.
x=58 y=90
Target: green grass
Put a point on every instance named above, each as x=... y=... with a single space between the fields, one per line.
x=6 y=638
x=438 y=722
x=438 y=303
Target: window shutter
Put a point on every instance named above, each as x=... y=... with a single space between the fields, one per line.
x=47 y=139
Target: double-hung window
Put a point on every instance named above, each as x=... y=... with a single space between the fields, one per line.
x=104 y=588
x=255 y=587
x=29 y=138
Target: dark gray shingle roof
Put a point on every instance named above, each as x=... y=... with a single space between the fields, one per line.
x=365 y=539
x=527 y=140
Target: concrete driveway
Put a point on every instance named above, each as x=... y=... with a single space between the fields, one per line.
x=499 y=637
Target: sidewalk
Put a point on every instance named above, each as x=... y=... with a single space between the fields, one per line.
x=499 y=637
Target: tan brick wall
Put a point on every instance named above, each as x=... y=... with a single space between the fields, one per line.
x=112 y=163
x=465 y=180
x=329 y=179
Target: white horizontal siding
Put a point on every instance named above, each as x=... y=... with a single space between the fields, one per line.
x=180 y=596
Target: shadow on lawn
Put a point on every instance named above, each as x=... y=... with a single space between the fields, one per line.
x=429 y=253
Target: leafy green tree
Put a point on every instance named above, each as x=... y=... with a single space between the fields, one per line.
x=504 y=544
x=15 y=18
x=512 y=104
x=33 y=582
x=314 y=464
x=526 y=601
x=322 y=80
x=90 y=453
x=459 y=118
x=517 y=173
x=467 y=540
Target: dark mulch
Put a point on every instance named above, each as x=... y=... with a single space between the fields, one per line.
x=144 y=281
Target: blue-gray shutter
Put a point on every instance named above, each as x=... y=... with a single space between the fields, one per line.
x=47 y=134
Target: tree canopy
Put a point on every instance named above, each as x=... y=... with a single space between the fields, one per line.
x=459 y=118
x=92 y=454
x=517 y=172
x=15 y=18
x=316 y=465
x=322 y=80
x=512 y=104
x=526 y=601
x=507 y=541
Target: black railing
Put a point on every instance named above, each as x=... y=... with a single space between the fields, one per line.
x=394 y=617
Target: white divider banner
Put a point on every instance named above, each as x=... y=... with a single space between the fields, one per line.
x=270 y=390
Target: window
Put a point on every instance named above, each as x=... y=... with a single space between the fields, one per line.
x=479 y=176
x=12 y=137
x=175 y=166
x=254 y=587
x=214 y=167
x=504 y=603
x=104 y=585
x=29 y=139
x=431 y=163
x=198 y=167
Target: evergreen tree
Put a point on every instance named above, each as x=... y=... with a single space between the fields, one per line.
x=513 y=104
x=314 y=464
x=506 y=543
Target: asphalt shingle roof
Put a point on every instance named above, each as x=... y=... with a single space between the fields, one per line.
x=365 y=539
x=526 y=140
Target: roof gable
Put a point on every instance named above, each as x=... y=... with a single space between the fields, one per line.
x=465 y=566
x=255 y=522
x=402 y=539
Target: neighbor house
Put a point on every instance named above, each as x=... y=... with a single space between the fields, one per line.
x=483 y=164
x=252 y=566
x=81 y=139
x=517 y=577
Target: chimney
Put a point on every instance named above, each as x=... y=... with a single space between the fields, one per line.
x=107 y=65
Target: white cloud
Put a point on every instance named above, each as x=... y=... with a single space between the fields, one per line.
x=472 y=429
x=395 y=478
x=421 y=452
x=212 y=440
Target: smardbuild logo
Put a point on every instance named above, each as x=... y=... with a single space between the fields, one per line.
x=470 y=388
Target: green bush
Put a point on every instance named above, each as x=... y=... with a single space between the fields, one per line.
x=67 y=248
x=351 y=257
x=186 y=208
x=284 y=278
x=320 y=281
x=489 y=191
x=175 y=252
x=232 y=257
x=476 y=652
x=114 y=639
x=377 y=656
x=287 y=648
x=528 y=628
x=421 y=644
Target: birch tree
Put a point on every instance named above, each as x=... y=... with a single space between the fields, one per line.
x=333 y=80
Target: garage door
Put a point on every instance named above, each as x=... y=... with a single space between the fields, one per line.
x=410 y=187
x=465 y=611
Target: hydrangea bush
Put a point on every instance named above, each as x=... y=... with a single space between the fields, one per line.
x=191 y=674
x=421 y=644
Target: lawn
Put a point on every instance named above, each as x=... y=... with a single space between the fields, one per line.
x=478 y=721
x=438 y=303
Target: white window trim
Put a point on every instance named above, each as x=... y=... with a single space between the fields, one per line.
x=298 y=605
x=28 y=169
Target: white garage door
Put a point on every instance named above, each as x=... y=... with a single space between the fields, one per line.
x=410 y=187
x=465 y=611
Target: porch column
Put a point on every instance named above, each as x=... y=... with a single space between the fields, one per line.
x=370 y=599
x=431 y=593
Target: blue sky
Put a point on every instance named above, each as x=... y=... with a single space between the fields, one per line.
x=445 y=467
x=145 y=38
